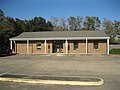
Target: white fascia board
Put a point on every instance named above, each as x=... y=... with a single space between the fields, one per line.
x=60 y=38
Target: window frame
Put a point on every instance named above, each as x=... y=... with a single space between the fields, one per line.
x=38 y=45
x=75 y=45
x=95 y=45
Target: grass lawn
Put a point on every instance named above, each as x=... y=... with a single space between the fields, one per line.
x=115 y=51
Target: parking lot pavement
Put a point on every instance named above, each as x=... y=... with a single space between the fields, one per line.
x=104 y=66
x=62 y=65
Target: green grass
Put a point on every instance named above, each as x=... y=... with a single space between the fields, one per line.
x=115 y=51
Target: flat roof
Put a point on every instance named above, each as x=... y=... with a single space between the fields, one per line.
x=50 y=35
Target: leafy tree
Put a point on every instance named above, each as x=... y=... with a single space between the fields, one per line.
x=91 y=23
x=71 y=23
x=55 y=23
x=108 y=27
x=112 y=28
x=4 y=38
x=117 y=27
x=1 y=14
x=74 y=22
x=79 y=22
x=97 y=23
x=39 y=24
x=49 y=26
x=59 y=24
x=10 y=27
x=2 y=23
x=62 y=23
x=3 y=20
x=10 y=23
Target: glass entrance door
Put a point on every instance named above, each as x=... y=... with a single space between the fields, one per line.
x=57 y=46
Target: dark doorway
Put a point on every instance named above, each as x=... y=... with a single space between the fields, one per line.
x=48 y=48
x=57 y=46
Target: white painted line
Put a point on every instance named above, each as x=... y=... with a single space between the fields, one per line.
x=56 y=82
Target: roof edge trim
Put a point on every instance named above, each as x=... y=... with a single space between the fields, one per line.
x=60 y=38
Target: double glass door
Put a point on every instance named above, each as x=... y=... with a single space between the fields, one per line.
x=57 y=46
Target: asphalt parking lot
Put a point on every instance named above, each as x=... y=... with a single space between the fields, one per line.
x=104 y=66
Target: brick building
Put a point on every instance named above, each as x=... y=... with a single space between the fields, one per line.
x=64 y=42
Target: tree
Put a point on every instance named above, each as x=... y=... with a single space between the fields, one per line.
x=49 y=26
x=4 y=38
x=10 y=27
x=91 y=23
x=2 y=20
x=117 y=31
x=74 y=22
x=59 y=24
x=10 y=23
x=97 y=23
x=108 y=27
x=71 y=23
x=1 y=14
x=20 y=27
x=78 y=22
x=38 y=24
x=54 y=22
x=62 y=23
x=117 y=27
x=111 y=28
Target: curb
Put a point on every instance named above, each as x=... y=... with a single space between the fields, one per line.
x=55 y=82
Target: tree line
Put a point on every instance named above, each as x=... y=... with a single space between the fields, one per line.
x=11 y=27
x=112 y=28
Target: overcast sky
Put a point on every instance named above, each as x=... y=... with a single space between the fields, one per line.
x=27 y=9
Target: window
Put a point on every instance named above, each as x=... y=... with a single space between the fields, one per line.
x=61 y=44
x=76 y=45
x=38 y=45
x=95 y=44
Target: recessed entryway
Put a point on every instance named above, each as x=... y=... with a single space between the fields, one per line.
x=57 y=46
